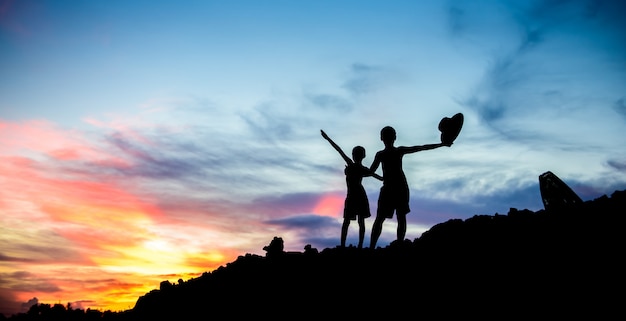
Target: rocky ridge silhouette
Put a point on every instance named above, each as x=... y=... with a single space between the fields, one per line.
x=552 y=263
x=524 y=264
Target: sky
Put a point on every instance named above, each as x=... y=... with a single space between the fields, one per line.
x=143 y=141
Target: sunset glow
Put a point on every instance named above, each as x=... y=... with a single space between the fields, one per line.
x=116 y=245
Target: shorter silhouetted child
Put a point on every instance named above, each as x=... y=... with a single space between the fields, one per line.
x=356 y=206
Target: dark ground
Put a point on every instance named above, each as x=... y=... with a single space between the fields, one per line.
x=540 y=265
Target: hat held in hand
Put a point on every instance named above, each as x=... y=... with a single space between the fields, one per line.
x=450 y=127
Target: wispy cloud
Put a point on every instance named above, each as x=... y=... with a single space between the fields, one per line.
x=29 y=282
x=620 y=107
x=367 y=78
x=619 y=165
x=305 y=222
x=330 y=102
x=524 y=98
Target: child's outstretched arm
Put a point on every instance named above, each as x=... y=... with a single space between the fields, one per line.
x=374 y=167
x=332 y=143
x=376 y=176
x=418 y=148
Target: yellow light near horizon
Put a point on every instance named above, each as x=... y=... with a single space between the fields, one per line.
x=142 y=260
x=157 y=246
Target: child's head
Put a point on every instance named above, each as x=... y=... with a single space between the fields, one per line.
x=358 y=153
x=388 y=134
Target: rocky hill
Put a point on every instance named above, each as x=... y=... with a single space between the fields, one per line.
x=546 y=264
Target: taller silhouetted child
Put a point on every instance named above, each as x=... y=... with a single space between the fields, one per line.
x=394 y=194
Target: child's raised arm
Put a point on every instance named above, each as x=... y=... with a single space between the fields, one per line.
x=332 y=143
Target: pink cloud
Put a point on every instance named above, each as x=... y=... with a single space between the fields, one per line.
x=44 y=138
x=330 y=205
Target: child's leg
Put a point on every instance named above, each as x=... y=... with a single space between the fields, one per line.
x=361 y=231
x=377 y=228
x=401 y=226
x=344 y=231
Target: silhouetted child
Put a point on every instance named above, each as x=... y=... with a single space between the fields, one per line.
x=356 y=206
x=394 y=194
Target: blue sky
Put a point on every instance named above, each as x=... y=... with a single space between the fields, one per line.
x=195 y=125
